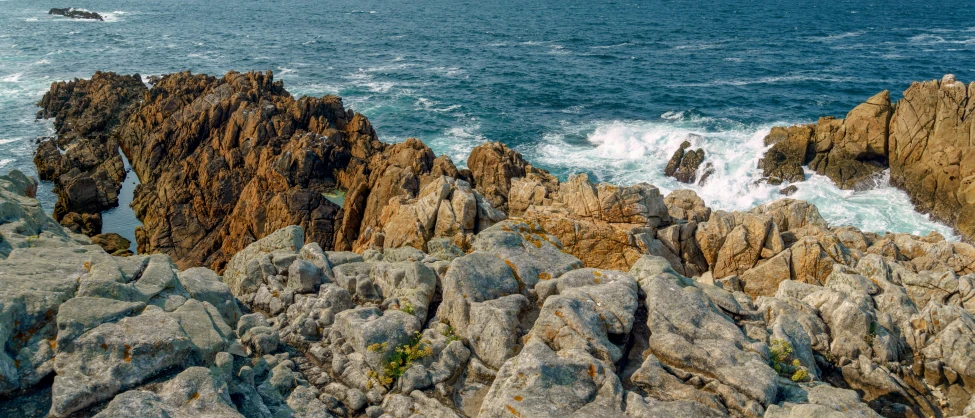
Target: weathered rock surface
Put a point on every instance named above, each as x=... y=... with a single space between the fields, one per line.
x=683 y=165
x=495 y=292
x=84 y=160
x=100 y=325
x=493 y=166
x=925 y=140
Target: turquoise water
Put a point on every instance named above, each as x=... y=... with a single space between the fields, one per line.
x=610 y=88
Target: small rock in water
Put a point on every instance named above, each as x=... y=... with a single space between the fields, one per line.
x=683 y=165
x=75 y=13
x=789 y=191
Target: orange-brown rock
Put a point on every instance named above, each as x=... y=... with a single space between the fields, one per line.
x=493 y=165
x=791 y=149
x=687 y=205
x=603 y=225
x=927 y=140
x=398 y=171
x=735 y=242
x=83 y=160
x=445 y=207
x=932 y=150
x=224 y=162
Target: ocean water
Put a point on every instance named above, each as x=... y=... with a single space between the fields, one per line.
x=610 y=88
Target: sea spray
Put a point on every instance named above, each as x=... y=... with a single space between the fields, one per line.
x=628 y=152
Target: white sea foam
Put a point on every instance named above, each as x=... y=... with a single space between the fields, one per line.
x=6 y=161
x=114 y=16
x=628 y=152
x=9 y=140
x=447 y=71
x=772 y=80
x=697 y=46
x=836 y=37
x=611 y=46
x=12 y=78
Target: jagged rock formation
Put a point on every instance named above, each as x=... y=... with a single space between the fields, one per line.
x=83 y=160
x=684 y=163
x=493 y=165
x=75 y=13
x=927 y=140
x=494 y=291
x=786 y=316
x=222 y=162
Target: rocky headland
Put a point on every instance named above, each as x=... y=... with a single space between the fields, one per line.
x=926 y=140
x=493 y=291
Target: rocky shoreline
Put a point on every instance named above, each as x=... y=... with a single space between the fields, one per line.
x=926 y=140
x=496 y=290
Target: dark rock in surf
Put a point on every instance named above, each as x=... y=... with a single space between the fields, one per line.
x=791 y=149
x=76 y=13
x=684 y=163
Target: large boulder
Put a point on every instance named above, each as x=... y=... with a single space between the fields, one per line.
x=791 y=148
x=567 y=365
x=482 y=302
x=493 y=166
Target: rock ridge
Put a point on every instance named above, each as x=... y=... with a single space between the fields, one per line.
x=926 y=141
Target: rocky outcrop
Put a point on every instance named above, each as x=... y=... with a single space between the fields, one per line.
x=932 y=150
x=783 y=315
x=849 y=151
x=75 y=13
x=493 y=166
x=125 y=336
x=791 y=148
x=490 y=292
x=925 y=140
x=83 y=160
x=683 y=165
x=222 y=162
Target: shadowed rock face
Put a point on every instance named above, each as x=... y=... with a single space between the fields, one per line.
x=927 y=140
x=222 y=161
x=684 y=163
x=75 y=13
x=83 y=160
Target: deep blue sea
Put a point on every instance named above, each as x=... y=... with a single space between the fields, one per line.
x=610 y=88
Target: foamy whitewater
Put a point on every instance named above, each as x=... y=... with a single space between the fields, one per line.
x=610 y=89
